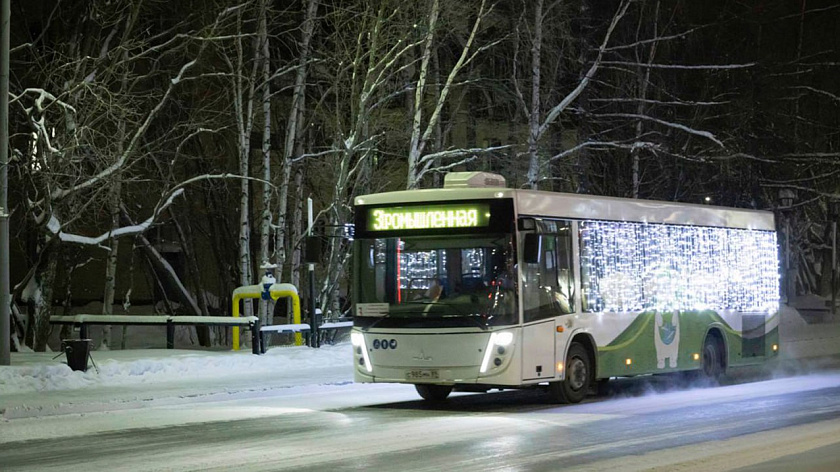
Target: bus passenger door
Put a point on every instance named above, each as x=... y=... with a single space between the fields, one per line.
x=546 y=295
x=538 y=350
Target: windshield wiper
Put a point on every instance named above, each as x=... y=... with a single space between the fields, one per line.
x=368 y=327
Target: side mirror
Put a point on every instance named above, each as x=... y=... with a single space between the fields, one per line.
x=531 y=248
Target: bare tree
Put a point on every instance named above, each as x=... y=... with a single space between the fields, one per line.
x=69 y=157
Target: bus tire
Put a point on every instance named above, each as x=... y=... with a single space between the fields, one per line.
x=575 y=386
x=713 y=357
x=433 y=393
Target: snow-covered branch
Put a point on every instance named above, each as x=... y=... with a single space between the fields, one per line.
x=657 y=102
x=679 y=126
x=824 y=93
x=428 y=167
x=450 y=153
x=604 y=144
x=657 y=39
x=741 y=155
x=61 y=193
x=115 y=233
x=679 y=66
x=584 y=82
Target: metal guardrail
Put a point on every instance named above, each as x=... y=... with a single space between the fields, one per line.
x=329 y=327
x=84 y=320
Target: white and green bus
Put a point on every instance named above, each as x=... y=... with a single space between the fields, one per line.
x=476 y=286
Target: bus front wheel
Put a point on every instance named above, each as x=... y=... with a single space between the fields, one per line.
x=579 y=375
x=433 y=393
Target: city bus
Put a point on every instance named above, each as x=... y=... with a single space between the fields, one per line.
x=475 y=286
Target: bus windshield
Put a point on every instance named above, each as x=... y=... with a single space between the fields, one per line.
x=439 y=281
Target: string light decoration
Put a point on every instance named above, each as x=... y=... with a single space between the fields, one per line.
x=640 y=266
x=420 y=268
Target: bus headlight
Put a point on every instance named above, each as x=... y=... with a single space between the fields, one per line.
x=360 y=352
x=503 y=338
x=499 y=340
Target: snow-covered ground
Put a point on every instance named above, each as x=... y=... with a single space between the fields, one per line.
x=38 y=385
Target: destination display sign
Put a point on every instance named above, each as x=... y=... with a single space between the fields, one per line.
x=472 y=215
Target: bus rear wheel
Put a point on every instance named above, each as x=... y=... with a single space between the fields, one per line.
x=433 y=393
x=713 y=357
x=574 y=388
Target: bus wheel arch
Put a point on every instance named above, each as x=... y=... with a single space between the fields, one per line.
x=580 y=371
x=714 y=354
x=433 y=393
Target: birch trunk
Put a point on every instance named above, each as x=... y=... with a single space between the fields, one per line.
x=416 y=146
x=534 y=116
x=265 y=228
x=644 y=82
x=418 y=164
x=294 y=128
x=244 y=105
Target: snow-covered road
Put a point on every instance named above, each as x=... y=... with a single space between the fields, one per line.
x=297 y=408
x=641 y=424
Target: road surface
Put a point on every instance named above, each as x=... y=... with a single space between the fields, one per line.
x=754 y=422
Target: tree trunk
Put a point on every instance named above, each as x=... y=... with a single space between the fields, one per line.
x=534 y=115
x=294 y=128
x=265 y=228
x=417 y=144
x=45 y=282
x=185 y=237
x=643 y=83
x=111 y=262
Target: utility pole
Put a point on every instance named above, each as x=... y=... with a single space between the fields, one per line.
x=314 y=334
x=5 y=285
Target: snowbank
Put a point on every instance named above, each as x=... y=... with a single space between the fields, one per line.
x=37 y=372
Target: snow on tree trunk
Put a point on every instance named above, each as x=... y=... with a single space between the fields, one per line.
x=418 y=164
x=534 y=117
x=243 y=88
x=643 y=84
x=265 y=229
x=294 y=129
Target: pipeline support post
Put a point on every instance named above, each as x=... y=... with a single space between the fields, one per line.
x=275 y=291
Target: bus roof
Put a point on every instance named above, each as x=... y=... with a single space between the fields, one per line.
x=588 y=207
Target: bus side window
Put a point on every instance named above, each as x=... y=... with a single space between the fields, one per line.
x=547 y=285
x=531 y=276
x=565 y=279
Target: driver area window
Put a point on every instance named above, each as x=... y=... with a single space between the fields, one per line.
x=548 y=284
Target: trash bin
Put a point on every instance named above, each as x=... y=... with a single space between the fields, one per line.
x=77 y=352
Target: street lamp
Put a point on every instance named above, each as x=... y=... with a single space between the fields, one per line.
x=786 y=197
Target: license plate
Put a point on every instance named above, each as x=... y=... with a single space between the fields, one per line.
x=422 y=374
